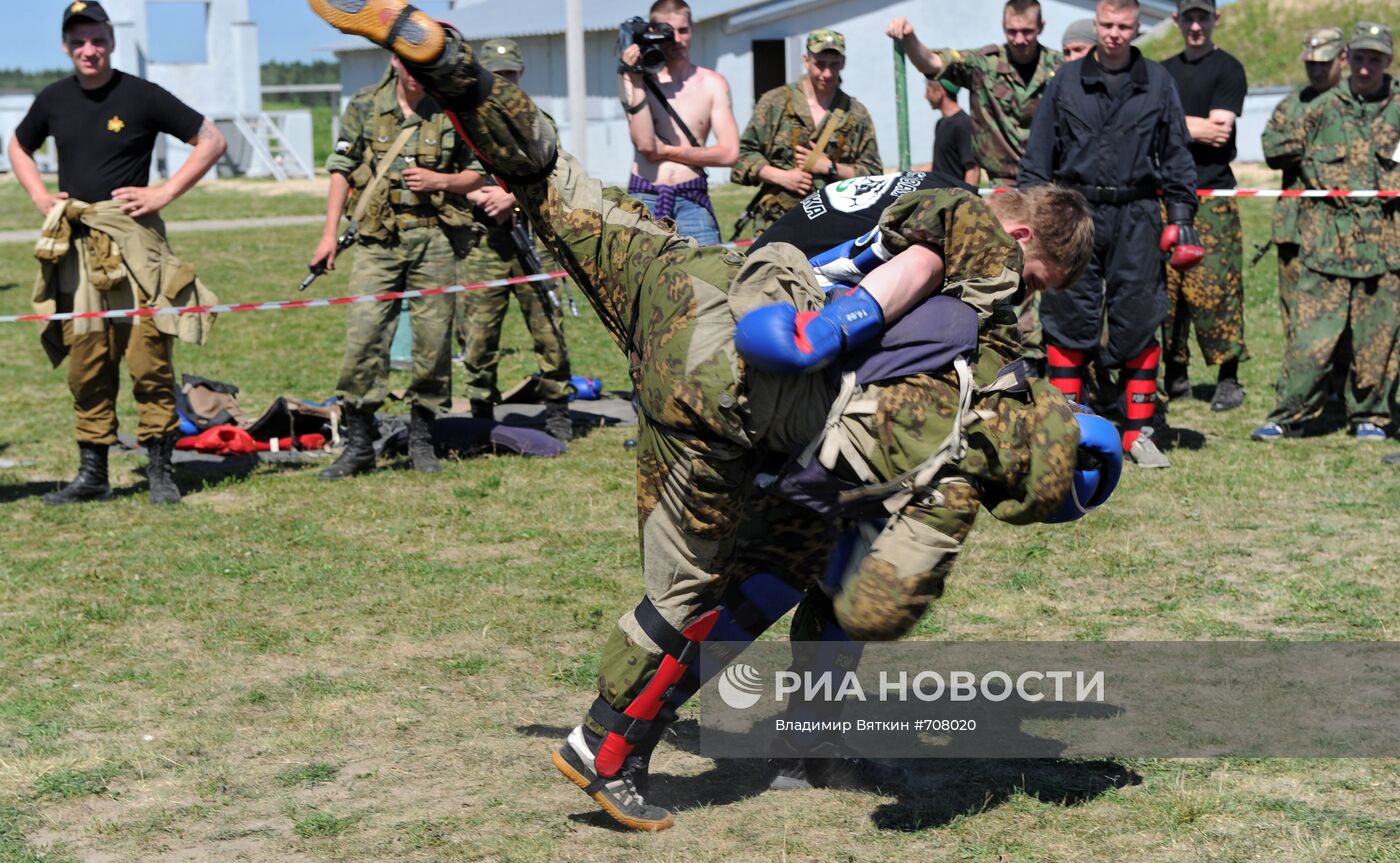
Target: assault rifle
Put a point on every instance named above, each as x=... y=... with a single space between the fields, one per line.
x=1260 y=252
x=318 y=269
x=530 y=260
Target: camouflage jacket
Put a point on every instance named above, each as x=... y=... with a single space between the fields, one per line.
x=1287 y=116
x=1345 y=142
x=371 y=122
x=781 y=121
x=1003 y=106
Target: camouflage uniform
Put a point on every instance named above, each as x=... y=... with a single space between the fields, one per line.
x=781 y=122
x=403 y=245
x=1211 y=294
x=1003 y=105
x=707 y=424
x=482 y=312
x=1286 y=117
x=1350 y=255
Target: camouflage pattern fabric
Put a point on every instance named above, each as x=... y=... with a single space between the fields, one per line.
x=1211 y=294
x=420 y=258
x=1029 y=328
x=781 y=121
x=1002 y=104
x=1290 y=267
x=481 y=313
x=706 y=422
x=1284 y=123
x=1326 y=308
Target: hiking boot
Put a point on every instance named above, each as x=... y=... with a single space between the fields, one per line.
x=483 y=409
x=1145 y=454
x=557 y=422
x=1228 y=395
x=358 y=455
x=420 y=440
x=160 y=471
x=1369 y=432
x=91 y=481
x=391 y=24
x=617 y=795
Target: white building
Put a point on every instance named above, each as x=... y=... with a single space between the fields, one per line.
x=225 y=87
x=756 y=44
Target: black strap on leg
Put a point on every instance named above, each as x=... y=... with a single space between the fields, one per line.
x=661 y=632
x=631 y=730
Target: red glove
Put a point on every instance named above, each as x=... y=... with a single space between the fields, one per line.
x=1185 y=246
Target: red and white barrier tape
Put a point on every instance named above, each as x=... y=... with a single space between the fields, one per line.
x=229 y=308
x=1272 y=193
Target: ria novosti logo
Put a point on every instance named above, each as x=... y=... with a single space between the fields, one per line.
x=740 y=686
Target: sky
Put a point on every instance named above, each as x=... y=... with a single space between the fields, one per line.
x=287 y=31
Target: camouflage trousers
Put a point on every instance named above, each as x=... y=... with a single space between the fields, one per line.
x=1329 y=313
x=481 y=313
x=1211 y=294
x=1289 y=267
x=94 y=378
x=421 y=258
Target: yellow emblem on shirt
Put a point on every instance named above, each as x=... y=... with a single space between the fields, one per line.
x=115 y=124
x=78 y=6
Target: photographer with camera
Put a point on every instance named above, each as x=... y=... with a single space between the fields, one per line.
x=673 y=106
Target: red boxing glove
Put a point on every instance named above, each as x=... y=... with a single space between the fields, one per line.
x=1185 y=246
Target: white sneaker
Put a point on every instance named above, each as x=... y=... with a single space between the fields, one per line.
x=1145 y=454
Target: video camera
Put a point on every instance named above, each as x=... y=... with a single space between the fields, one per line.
x=652 y=37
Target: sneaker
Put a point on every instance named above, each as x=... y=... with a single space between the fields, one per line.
x=1369 y=432
x=392 y=24
x=1268 y=433
x=1145 y=454
x=1228 y=395
x=1393 y=458
x=616 y=795
x=1178 y=387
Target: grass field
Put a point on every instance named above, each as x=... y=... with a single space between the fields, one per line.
x=286 y=670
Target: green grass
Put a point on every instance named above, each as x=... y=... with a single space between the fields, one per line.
x=378 y=669
x=1267 y=35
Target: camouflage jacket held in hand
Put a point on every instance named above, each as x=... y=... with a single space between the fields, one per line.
x=371 y=122
x=1287 y=116
x=1003 y=105
x=1345 y=142
x=781 y=122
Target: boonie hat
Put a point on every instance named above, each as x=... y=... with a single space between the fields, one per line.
x=501 y=55
x=1371 y=36
x=1323 y=44
x=84 y=10
x=826 y=40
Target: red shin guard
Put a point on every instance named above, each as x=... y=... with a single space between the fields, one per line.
x=1065 y=368
x=615 y=746
x=1140 y=392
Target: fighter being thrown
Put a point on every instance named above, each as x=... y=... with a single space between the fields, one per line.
x=927 y=420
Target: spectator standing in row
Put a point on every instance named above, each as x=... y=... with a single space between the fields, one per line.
x=1079 y=39
x=104 y=247
x=787 y=124
x=952 y=138
x=1112 y=128
x=1324 y=58
x=1349 y=282
x=668 y=172
x=1212 y=87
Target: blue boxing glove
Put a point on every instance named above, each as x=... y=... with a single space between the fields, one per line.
x=851 y=261
x=779 y=339
x=1096 y=475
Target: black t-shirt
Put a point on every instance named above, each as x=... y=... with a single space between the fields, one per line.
x=847 y=209
x=105 y=136
x=952 y=145
x=1026 y=71
x=1214 y=82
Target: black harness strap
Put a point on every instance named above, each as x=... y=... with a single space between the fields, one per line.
x=397 y=28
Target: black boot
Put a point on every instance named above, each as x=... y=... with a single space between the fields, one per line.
x=91 y=481
x=358 y=455
x=420 y=440
x=160 y=472
x=557 y=422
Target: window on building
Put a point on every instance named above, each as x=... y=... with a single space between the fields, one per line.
x=769 y=65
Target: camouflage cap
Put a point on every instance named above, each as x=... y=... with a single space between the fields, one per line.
x=1081 y=32
x=1187 y=5
x=1371 y=36
x=1323 y=44
x=502 y=55
x=826 y=40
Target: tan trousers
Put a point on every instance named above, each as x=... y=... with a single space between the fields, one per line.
x=94 y=363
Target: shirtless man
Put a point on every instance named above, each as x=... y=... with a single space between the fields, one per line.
x=668 y=173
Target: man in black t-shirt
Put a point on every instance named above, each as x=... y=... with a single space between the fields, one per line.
x=952 y=140
x=1212 y=87
x=105 y=124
